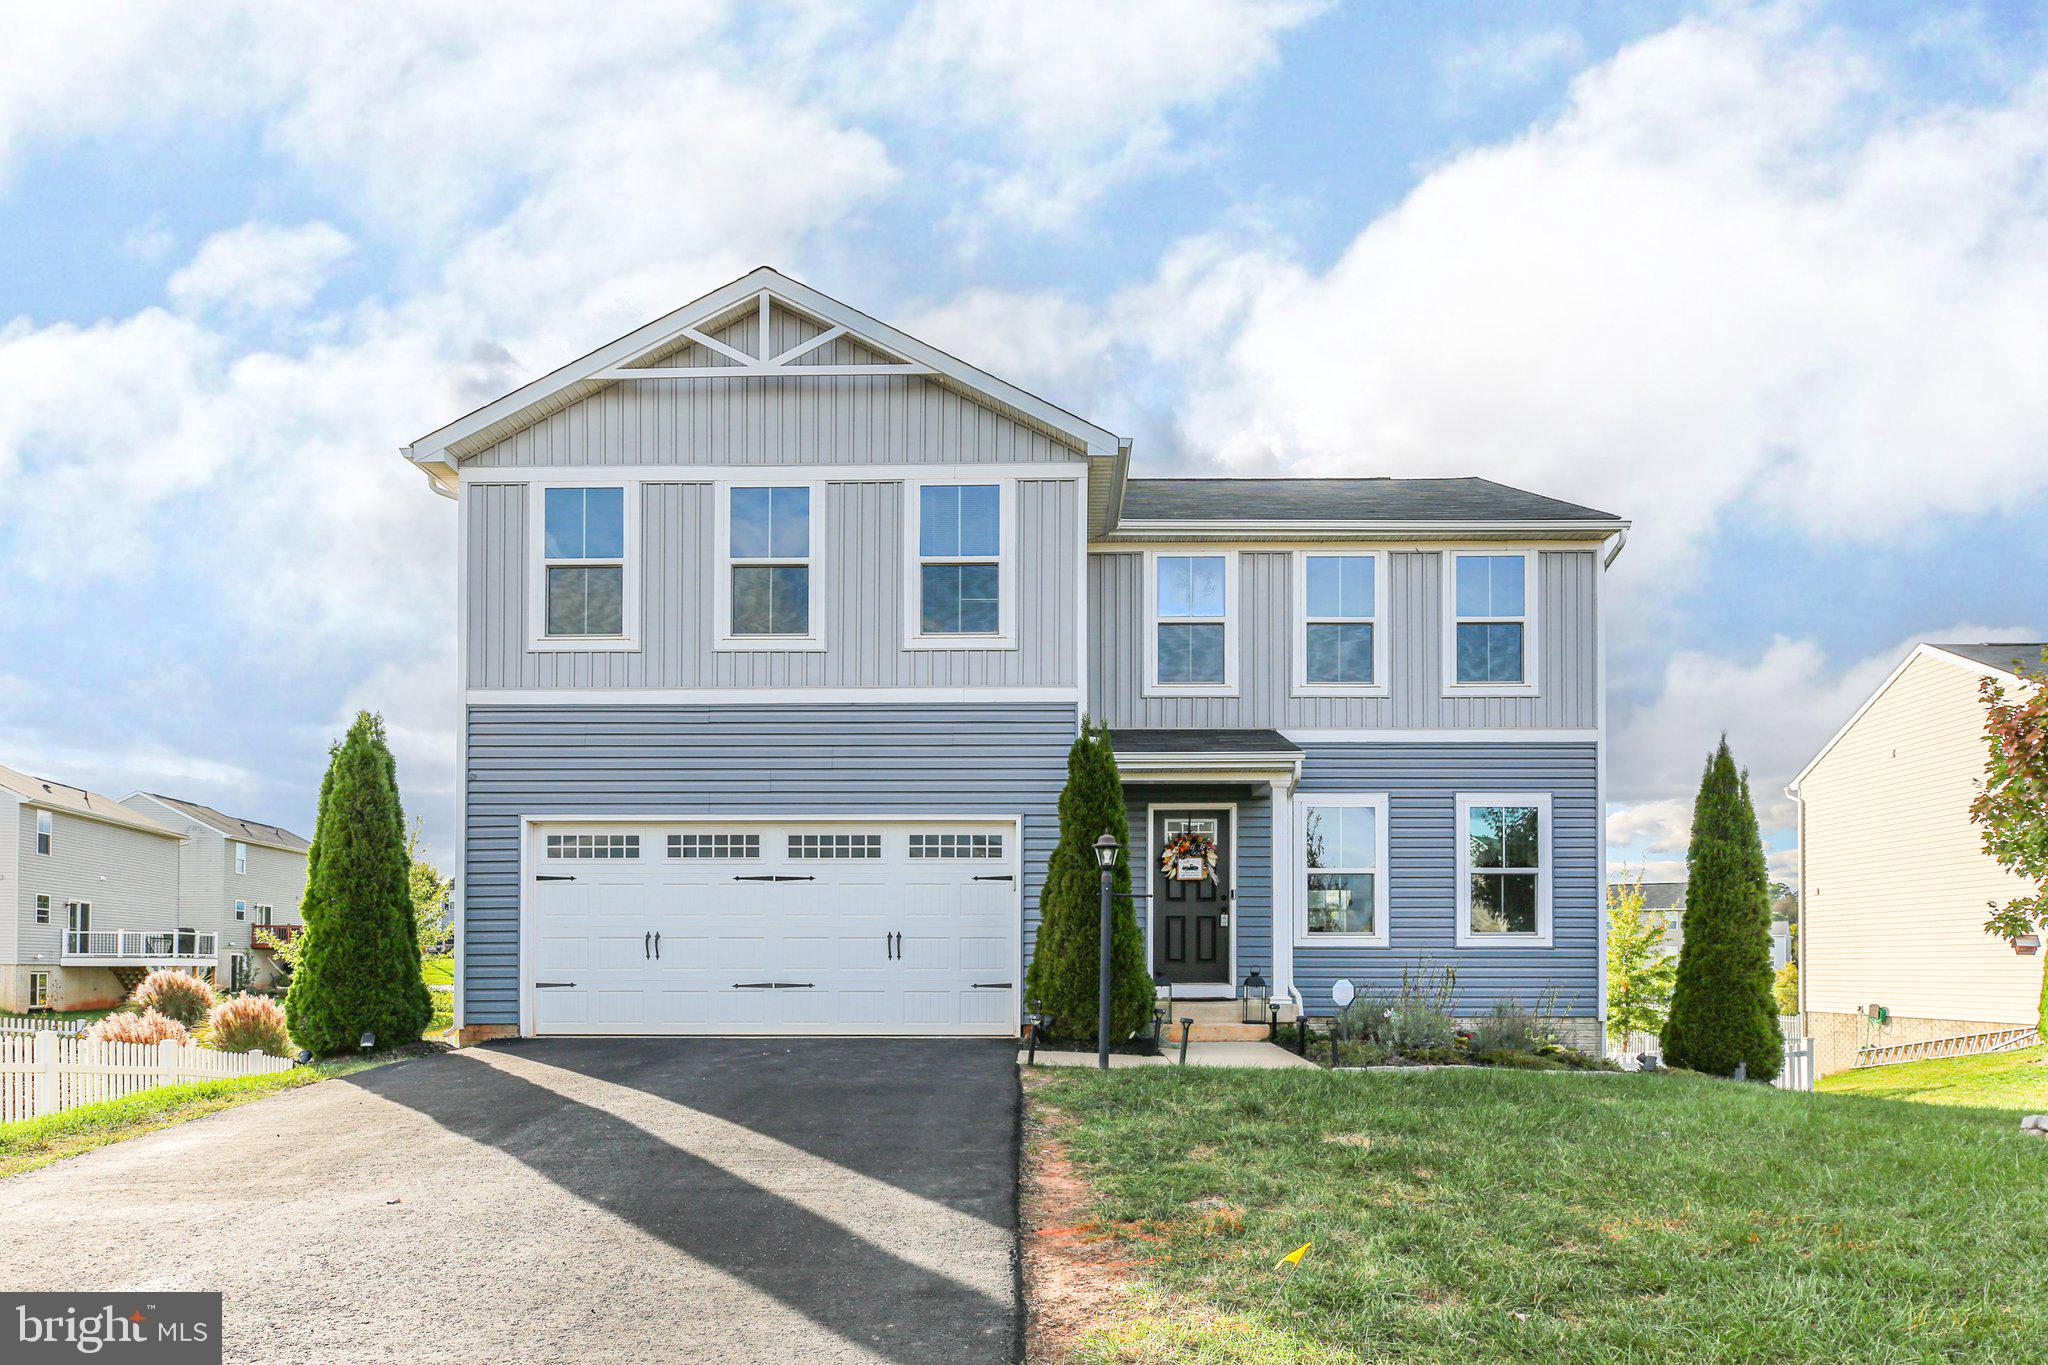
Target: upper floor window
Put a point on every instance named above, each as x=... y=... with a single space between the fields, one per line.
x=262 y=914
x=584 y=561
x=1343 y=887
x=1190 y=600
x=958 y=574
x=1490 y=636
x=1503 y=869
x=46 y=829
x=768 y=547
x=1337 y=639
x=241 y=857
x=42 y=909
x=241 y=910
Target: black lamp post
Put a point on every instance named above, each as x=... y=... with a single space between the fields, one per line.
x=1105 y=858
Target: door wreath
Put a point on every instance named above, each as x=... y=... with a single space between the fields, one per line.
x=1189 y=857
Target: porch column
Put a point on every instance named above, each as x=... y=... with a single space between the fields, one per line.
x=1282 y=790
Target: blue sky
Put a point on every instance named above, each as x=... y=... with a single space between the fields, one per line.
x=1770 y=280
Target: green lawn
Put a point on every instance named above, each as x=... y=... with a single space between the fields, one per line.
x=1481 y=1215
x=2015 y=1081
x=438 y=970
x=38 y=1142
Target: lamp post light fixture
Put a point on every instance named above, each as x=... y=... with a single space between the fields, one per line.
x=1105 y=858
x=1256 y=994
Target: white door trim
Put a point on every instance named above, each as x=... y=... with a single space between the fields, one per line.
x=1014 y=824
x=1228 y=990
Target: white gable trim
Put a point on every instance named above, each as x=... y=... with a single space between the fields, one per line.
x=1919 y=651
x=432 y=452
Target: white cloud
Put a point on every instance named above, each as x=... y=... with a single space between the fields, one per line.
x=1499 y=62
x=261 y=266
x=1776 y=708
x=1738 y=267
x=1084 y=92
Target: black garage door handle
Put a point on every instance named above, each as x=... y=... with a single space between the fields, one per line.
x=551 y=985
x=774 y=985
x=1005 y=877
x=992 y=985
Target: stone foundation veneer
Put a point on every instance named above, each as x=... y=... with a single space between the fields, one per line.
x=1837 y=1037
x=472 y=1034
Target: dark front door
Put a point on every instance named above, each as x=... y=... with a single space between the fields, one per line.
x=1191 y=915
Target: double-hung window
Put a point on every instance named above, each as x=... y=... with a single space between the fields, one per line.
x=1343 y=886
x=957 y=578
x=241 y=858
x=1338 y=640
x=1191 y=600
x=241 y=910
x=1490 y=633
x=45 y=831
x=768 y=549
x=1503 y=869
x=42 y=909
x=585 y=589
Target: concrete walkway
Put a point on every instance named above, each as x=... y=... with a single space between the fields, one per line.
x=608 y=1199
x=1263 y=1056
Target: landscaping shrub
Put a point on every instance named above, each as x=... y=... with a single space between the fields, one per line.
x=146 y=1027
x=1511 y=1027
x=175 y=995
x=359 y=970
x=1723 y=1012
x=1065 y=966
x=249 y=1023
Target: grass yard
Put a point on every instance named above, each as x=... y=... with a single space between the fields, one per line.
x=2013 y=1081
x=1486 y=1215
x=438 y=970
x=38 y=1142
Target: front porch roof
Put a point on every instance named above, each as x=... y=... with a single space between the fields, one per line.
x=1257 y=755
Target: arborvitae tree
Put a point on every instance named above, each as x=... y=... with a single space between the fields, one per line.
x=359 y=971
x=1723 y=1010
x=1065 y=964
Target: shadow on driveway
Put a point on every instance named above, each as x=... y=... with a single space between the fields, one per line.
x=868 y=1185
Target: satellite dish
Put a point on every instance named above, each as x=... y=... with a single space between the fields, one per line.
x=1343 y=993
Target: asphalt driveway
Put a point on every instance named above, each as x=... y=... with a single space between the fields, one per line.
x=688 y=1199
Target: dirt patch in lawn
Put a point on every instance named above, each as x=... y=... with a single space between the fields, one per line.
x=1075 y=1267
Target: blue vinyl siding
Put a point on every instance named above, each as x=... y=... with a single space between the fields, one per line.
x=1422 y=782
x=869 y=760
x=1252 y=917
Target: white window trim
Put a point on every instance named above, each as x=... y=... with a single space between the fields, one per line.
x=537 y=637
x=722 y=566
x=39 y=910
x=241 y=858
x=262 y=916
x=1298 y=861
x=1531 y=593
x=46 y=833
x=1229 y=686
x=914 y=560
x=241 y=910
x=1379 y=686
x=1545 y=873
x=39 y=998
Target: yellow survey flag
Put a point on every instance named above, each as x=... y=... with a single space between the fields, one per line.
x=1294 y=1257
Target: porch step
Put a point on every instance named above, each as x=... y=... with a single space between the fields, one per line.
x=1219 y=1021
x=1217 y=1033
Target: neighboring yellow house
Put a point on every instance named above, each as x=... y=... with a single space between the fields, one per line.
x=1894 y=881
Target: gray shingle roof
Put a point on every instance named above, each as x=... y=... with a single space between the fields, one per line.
x=1217 y=742
x=41 y=791
x=1344 y=500
x=2010 y=657
x=237 y=828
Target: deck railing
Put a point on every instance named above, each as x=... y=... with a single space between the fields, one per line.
x=140 y=943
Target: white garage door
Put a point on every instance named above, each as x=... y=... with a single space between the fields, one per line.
x=765 y=927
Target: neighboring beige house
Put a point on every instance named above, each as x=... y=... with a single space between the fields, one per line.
x=1894 y=879
x=88 y=898
x=235 y=875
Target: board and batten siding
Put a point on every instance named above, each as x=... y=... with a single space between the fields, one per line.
x=1896 y=880
x=857 y=598
x=1422 y=782
x=1566 y=607
x=1251 y=917
x=735 y=761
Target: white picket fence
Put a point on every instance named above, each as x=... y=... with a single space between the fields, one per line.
x=43 y=1073
x=39 y=1023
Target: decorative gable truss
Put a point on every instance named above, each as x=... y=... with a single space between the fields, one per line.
x=766 y=336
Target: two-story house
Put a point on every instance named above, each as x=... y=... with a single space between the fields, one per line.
x=88 y=898
x=235 y=876
x=776 y=624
